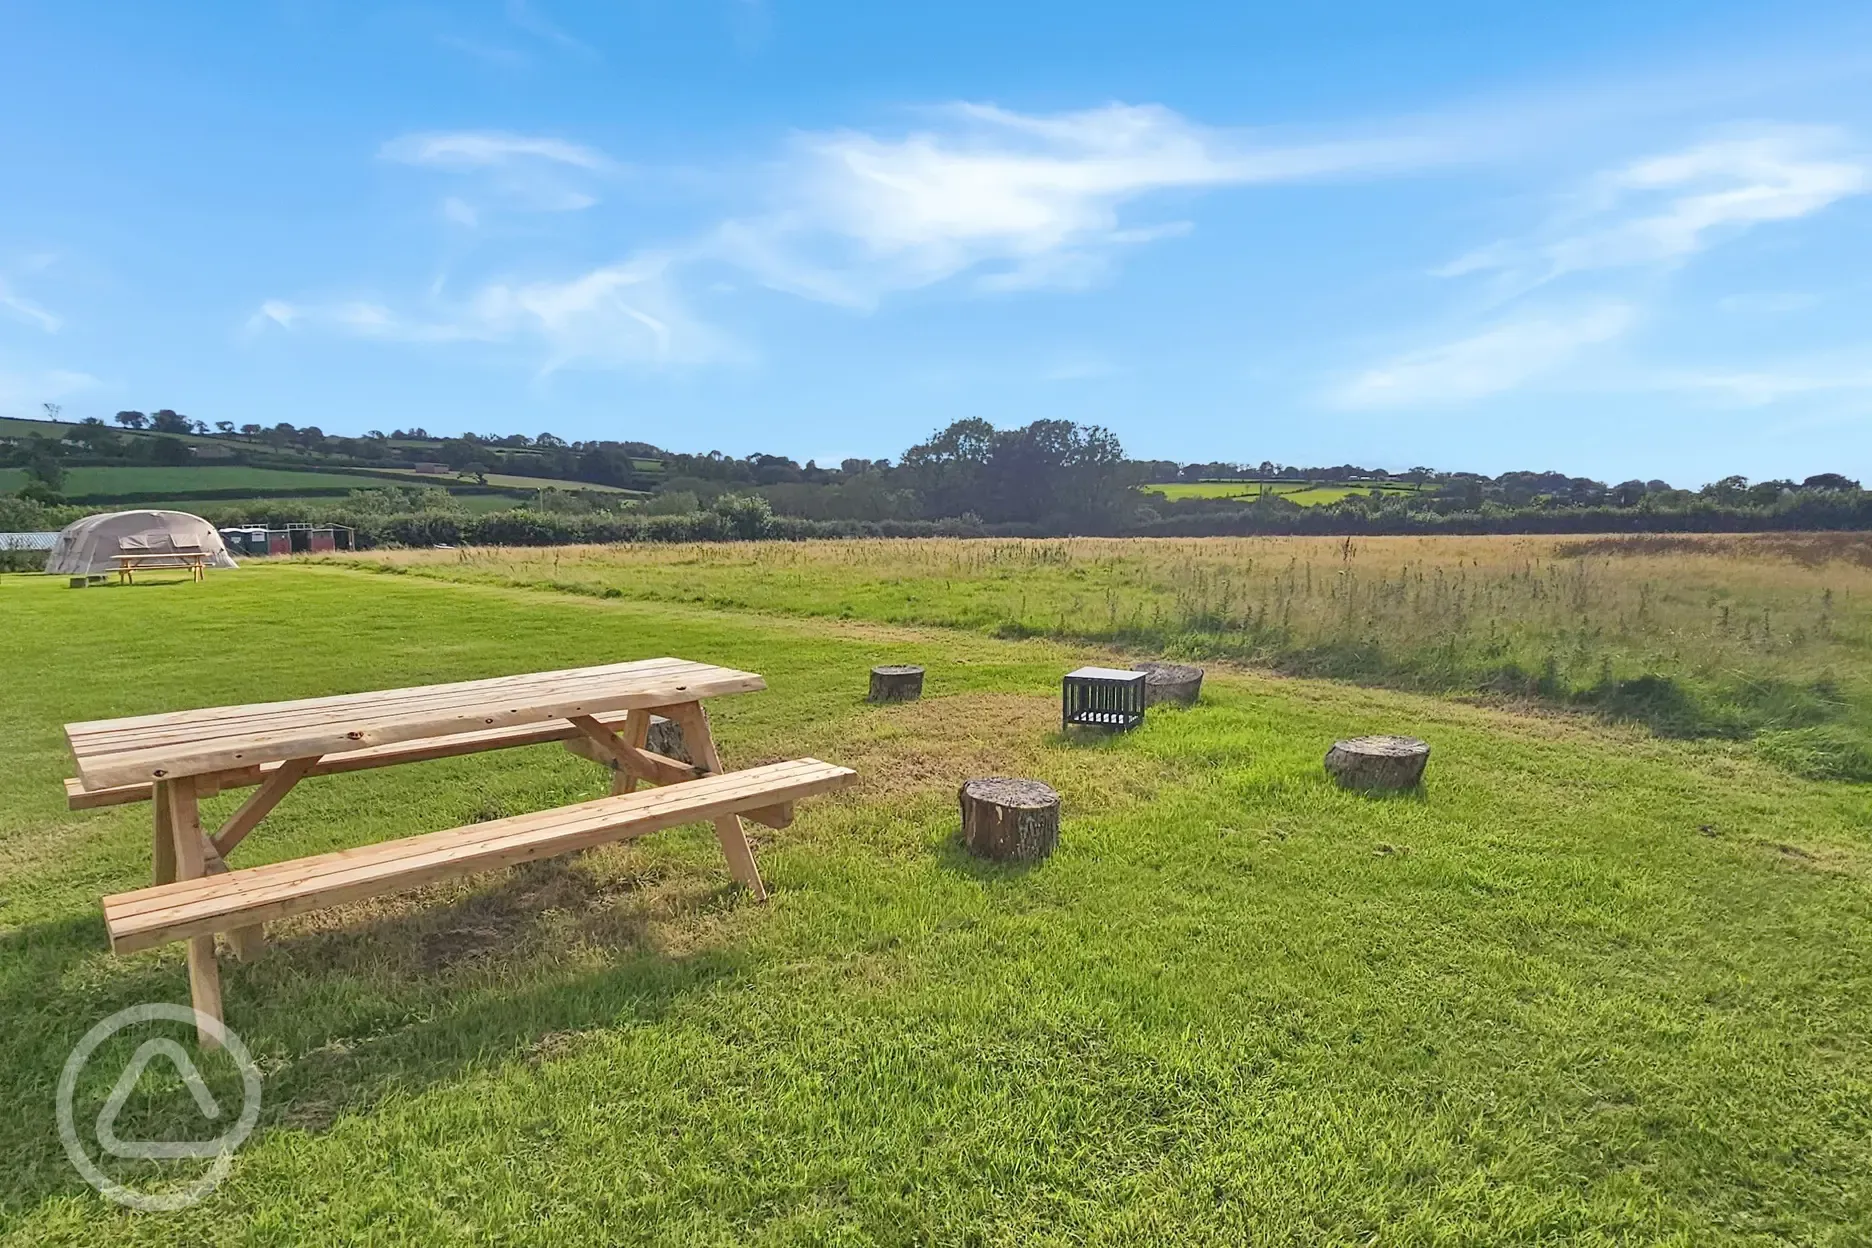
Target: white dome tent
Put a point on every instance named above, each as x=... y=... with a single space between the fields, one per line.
x=89 y=546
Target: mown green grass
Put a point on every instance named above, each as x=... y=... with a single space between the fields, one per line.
x=1320 y=495
x=1588 y=987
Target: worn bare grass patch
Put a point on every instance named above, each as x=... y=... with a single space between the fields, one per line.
x=613 y=902
x=929 y=747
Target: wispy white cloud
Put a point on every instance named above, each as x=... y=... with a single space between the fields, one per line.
x=483 y=149
x=525 y=173
x=1607 y=246
x=1768 y=303
x=1001 y=200
x=490 y=53
x=618 y=315
x=528 y=18
x=1665 y=208
x=272 y=312
x=460 y=212
x=1013 y=200
x=1495 y=360
x=750 y=23
x=25 y=309
x=1761 y=386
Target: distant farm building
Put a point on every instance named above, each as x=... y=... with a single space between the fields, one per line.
x=21 y=552
x=431 y=468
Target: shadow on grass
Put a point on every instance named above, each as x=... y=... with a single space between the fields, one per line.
x=338 y=1019
x=1081 y=737
x=953 y=856
x=1418 y=794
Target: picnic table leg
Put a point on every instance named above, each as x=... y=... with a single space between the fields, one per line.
x=636 y=735
x=179 y=799
x=694 y=722
x=164 y=848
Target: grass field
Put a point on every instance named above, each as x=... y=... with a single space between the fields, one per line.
x=1590 y=986
x=1304 y=493
x=183 y=487
x=512 y=482
x=1716 y=636
x=84 y=482
x=219 y=510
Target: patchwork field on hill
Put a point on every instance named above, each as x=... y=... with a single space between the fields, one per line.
x=104 y=483
x=1306 y=493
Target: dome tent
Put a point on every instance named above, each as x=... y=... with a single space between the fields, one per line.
x=87 y=546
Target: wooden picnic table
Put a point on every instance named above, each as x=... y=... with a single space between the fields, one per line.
x=130 y=562
x=175 y=759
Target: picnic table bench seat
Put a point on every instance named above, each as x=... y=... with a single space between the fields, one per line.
x=232 y=900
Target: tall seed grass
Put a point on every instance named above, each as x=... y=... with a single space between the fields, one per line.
x=1695 y=636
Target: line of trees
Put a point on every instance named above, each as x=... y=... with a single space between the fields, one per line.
x=1049 y=476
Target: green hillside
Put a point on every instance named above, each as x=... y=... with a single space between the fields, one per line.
x=110 y=464
x=237 y=475
x=108 y=484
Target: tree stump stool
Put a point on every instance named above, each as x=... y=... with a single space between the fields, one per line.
x=666 y=738
x=1378 y=763
x=1009 y=820
x=1177 y=683
x=896 y=683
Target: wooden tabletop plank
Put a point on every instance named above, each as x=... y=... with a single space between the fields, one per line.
x=213 y=743
x=188 y=724
x=460 y=703
x=340 y=736
x=96 y=744
x=193 y=724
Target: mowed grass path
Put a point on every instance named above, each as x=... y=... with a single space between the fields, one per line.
x=1590 y=987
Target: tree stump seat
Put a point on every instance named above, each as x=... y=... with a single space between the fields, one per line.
x=1381 y=763
x=896 y=682
x=1175 y=683
x=1009 y=820
x=666 y=738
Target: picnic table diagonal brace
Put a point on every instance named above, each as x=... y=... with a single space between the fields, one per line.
x=694 y=722
x=635 y=762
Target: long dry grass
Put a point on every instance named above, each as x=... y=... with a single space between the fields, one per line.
x=1730 y=636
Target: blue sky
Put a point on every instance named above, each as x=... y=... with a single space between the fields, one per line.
x=1619 y=239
